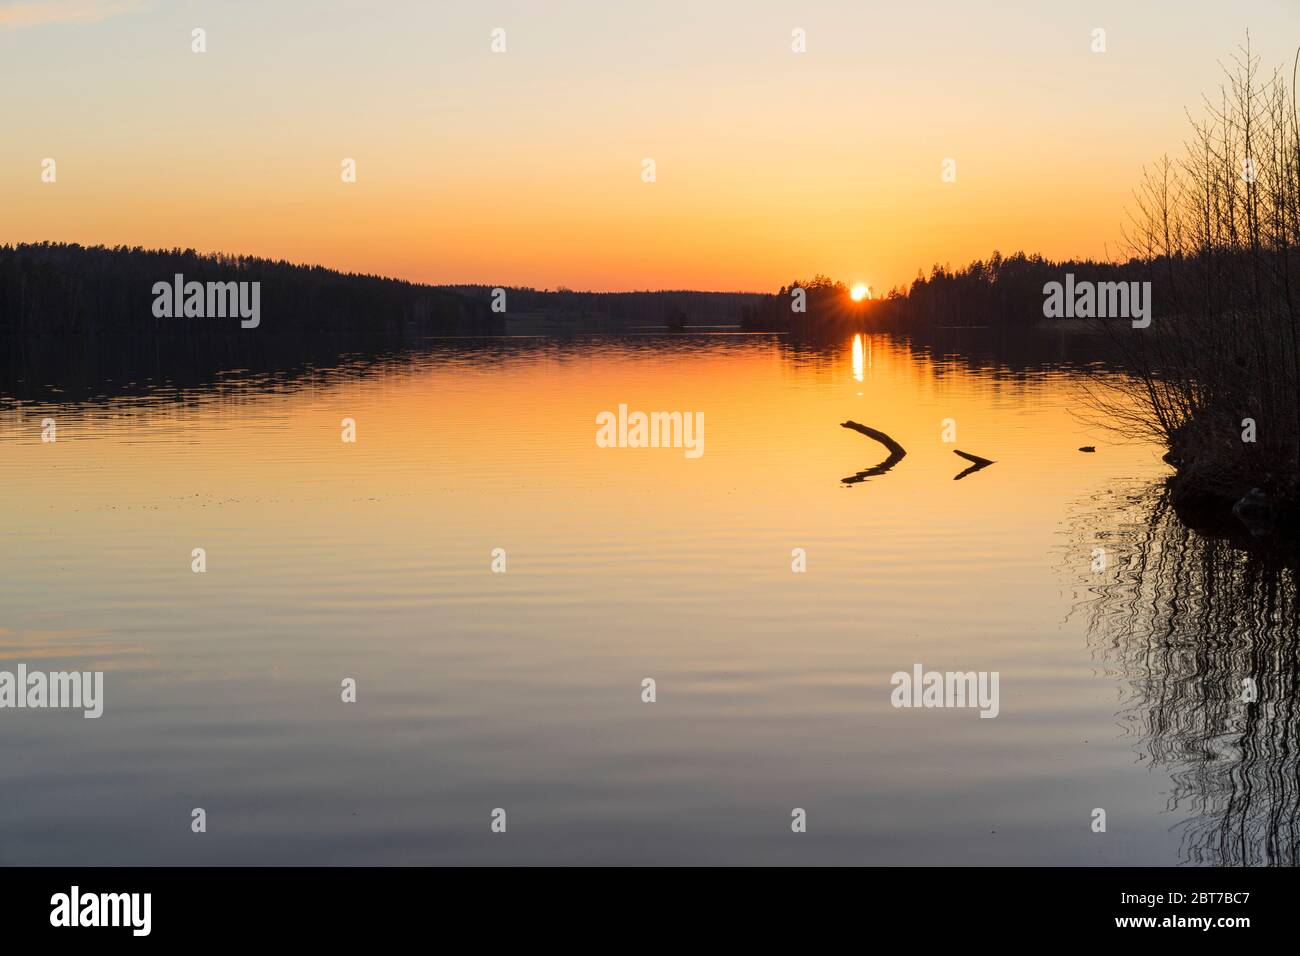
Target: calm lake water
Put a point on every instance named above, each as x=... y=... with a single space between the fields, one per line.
x=522 y=690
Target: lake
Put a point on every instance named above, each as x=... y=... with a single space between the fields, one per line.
x=1120 y=638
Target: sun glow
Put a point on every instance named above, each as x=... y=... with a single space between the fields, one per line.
x=860 y=292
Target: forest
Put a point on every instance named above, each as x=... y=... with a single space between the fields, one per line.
x=55 y=288
x=79 y=322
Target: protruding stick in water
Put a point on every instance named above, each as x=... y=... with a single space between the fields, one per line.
x=976 y=463
x=896 y=453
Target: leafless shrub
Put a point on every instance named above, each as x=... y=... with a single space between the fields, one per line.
x=1217 y=232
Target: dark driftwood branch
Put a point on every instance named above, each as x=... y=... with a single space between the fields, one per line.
x=976 y=464
x=896 y=453
x=879 y=436
x=974 y=459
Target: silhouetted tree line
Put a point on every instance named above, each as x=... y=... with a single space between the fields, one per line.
x=670 y=309
x=78 y=322
x=54 y=288
x=807 y=308
x=999 y=291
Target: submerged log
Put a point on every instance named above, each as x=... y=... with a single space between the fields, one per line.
x=975 y=459
x=878 y=435
x=976 y=463
x=896 y=453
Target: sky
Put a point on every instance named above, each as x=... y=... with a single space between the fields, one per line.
x=525 y=167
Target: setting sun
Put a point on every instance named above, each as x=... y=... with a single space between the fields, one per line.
x=860 y=292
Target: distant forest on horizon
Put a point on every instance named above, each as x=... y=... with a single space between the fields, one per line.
x=53 y=288
x=79 y=321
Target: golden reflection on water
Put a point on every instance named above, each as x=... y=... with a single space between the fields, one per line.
x=372 y=560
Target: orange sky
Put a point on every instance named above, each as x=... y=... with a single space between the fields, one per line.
x=524 y=167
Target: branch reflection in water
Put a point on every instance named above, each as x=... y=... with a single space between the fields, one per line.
x=1187 y=620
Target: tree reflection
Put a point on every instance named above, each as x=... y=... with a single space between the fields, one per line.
x=1185 y=621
